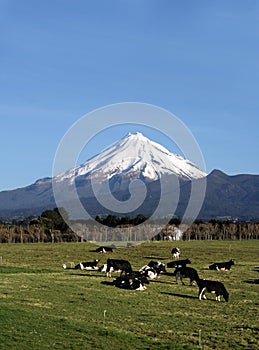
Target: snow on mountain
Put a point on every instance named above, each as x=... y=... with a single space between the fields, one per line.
x=133 y=156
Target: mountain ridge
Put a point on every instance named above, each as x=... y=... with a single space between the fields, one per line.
x=128 y=159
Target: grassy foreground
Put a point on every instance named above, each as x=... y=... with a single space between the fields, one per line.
x=46 y=307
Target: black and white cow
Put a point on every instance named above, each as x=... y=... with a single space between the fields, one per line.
x=222 y=265
x=91 y=265
x=148 y=271
x=212 y=287
x=178 y=263
x=157 y=266
x=186 y=272
x=104 y=250
x=118 y=264
x=122 y=282
x=175 y=253
x=132 y=281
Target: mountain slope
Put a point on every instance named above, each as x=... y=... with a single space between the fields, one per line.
x=29 y=200
x=235 y=196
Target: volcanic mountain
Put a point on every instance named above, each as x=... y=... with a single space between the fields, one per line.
x=111 y=174
x=135 y=157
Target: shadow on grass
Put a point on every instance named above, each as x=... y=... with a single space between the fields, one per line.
x=169 y=274
x=254 y=329
x=184 y=296
x=107 y=283
x=86 y=274
x=155 y=258
x=157 y=280
x=173 y=282
x=256 y=281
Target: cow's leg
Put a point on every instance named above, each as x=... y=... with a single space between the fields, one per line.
x=202 y=293
x=176 y=277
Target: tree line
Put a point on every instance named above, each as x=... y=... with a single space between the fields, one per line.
x=213 y=230
x=51 y=227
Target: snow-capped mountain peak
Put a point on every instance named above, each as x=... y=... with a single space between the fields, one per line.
x=135 y=156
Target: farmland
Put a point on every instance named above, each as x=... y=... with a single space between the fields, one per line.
x=44 y=306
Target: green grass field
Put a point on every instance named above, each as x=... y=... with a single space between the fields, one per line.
x=46 y=307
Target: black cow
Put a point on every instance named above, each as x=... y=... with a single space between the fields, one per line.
x=92 y=265
x=175 y=253
x=222 y=265
x=104 y=250
x=178 y=263
x=157 y=266
x=116 y=264
x=186 y=272
x=212 y=287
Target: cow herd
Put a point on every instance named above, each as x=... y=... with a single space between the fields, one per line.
x=137 y=280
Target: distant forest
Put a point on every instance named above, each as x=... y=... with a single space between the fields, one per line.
x=50 y=227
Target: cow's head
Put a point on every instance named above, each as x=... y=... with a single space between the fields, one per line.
x=226 y=296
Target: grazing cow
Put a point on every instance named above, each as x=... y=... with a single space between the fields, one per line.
x=148 y=271
x=212 y=287
x=175 y=253
x=178 y=263
x=186 y=272
x=222 y=265
x=104 y=250
x=87 y=265
x=116 y=264
x=133 y=281
x=157 y=266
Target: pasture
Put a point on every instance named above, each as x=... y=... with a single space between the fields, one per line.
x=44 y=306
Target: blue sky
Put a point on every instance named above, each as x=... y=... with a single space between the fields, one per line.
x=61 y=59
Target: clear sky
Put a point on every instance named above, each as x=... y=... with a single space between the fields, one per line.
x=61 y=59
